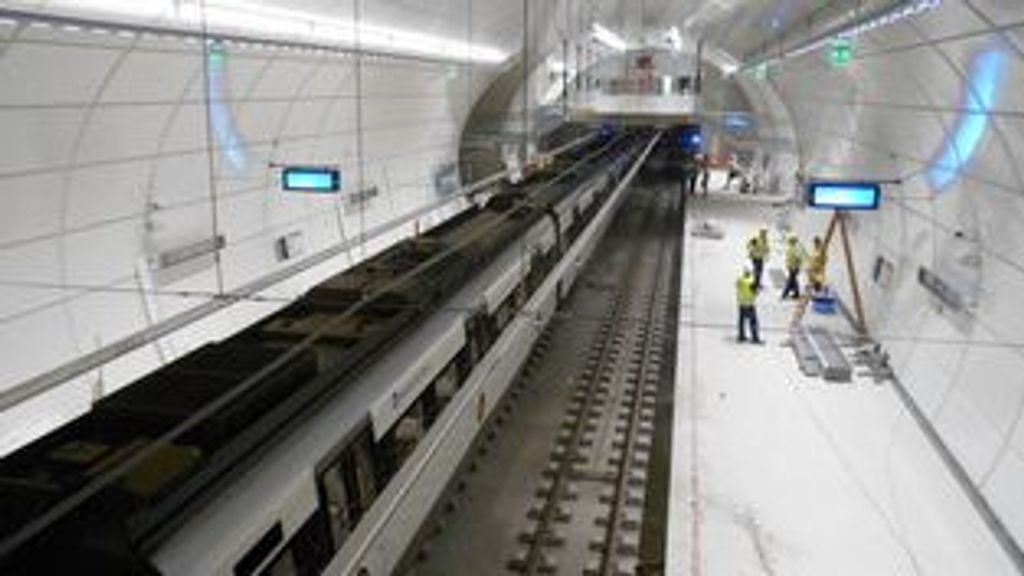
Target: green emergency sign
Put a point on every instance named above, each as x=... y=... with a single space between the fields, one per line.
x=842 y=52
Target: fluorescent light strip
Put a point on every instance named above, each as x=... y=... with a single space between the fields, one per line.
x=245 y=17
x=724 y=61
x=675 y=39
x=241 y=15
x=609 y=38
x=888 y=18
x=892 y=17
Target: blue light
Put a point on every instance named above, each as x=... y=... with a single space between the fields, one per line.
x=222 y=122
x=311 y=179
x=778 y=15
x=844 y=195
x=988 y=71
x=690 y=138
x=737 y=122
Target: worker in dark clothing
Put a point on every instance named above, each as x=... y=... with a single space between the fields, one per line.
x=758 y=250
x=689 y=175
x=746 y=298
x=733 y=173
x=692 y=173
x=794 y=261
x=705 y=174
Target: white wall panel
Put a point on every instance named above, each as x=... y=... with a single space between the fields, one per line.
x=158 y=77
x=36 y=342
x=36 y=417
x=1003 y=491
x=27 y=274
x=35 y=213
x=104 y=193
x=38 y=73
x=46 y=141
x=185 y=132
x=131 y=145
x=102 y=255
x=965 y=370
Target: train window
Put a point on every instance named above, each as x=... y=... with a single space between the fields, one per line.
x=307 y=553
x=401 y=440
x=260 y=551
x=432 y=406
x=283 y=565
x=447 y=383
x=339 y=513
x=349 y=487
x=409 y=430
x=507 y=310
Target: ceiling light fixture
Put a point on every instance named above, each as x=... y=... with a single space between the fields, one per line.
x=249 y=18
x=235 y=14
x=675 y=39
x=721 y=59
x=886 y=17
x=609 y=38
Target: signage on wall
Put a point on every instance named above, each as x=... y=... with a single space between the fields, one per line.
x=314 y=179
x=361 y=199
x=949 y=296
x=446 y=179
x=844 y=195
x=883 y=272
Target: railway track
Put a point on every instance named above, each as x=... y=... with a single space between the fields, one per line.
x=607 y=434
x=589 y=396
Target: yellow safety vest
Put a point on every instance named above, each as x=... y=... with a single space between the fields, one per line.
x=757 y=248
x=816 y=270
x=746 y=295
x=794 y=257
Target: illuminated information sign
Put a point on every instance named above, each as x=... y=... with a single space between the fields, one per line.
x=844 y=195
x=311 y=179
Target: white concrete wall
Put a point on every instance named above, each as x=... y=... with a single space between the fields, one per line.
x=891 y=114
x=115 y=150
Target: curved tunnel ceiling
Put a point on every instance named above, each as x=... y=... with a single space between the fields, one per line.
x=931 y=102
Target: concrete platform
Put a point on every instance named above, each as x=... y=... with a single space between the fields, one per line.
x=778 y=474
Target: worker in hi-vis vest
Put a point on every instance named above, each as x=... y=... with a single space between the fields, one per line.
x=758 y=250
x=816 y=266
x=746 y=297
x=794 y=262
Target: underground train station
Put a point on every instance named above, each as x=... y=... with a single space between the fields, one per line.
x=512 y=287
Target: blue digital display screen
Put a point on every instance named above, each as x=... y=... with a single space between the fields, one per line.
x=307 y=179
x=844 y=195
x=691 y=139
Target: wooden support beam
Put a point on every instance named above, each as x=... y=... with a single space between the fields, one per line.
x=851 y=271
x=838 y=221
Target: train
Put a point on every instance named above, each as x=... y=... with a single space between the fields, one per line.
x=317 y=440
